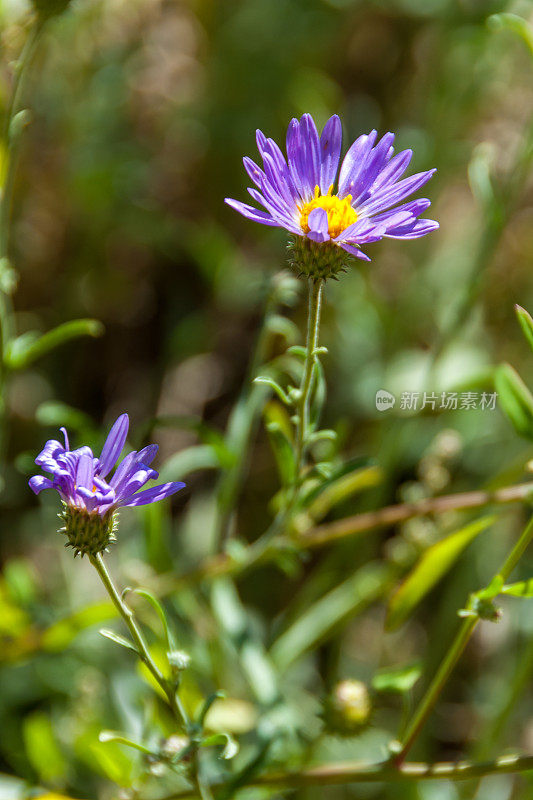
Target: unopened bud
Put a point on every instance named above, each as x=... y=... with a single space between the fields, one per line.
x=348 y=708
x=178 y=660
x=174 y=746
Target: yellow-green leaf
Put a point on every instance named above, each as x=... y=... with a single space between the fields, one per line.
x=431 y=567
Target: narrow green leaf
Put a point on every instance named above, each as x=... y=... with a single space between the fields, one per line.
x=121 y=640
x=282 y=326
x=30 y=346
x=515 y=24
x=113 y=736
x=208 y=703
x=160 y=612
x=431 y=567
x=283 y=453
x=339 y=490
x=526 y=323
x=264 y=379
x=231 y=748
x=515 y=399
x=397 y=679
x=520 y=589
x=329 y=612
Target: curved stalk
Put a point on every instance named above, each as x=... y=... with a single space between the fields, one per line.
x=144 y=654
x=455 y=651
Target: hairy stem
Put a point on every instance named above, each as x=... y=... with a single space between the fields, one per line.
x=455 y=651
x=304 y=401
x=144 y=654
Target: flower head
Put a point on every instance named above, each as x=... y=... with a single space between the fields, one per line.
x=329 y=211
x=89 y=495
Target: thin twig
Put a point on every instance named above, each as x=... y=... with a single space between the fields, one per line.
x=359 y=772
x=323 y=535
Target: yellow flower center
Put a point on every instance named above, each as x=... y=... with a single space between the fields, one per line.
x=340 y=212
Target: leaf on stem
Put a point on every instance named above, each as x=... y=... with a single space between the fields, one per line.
x=520 y=589
x=160 y=612
x=526 y=323
x=515 y=399
x=25 y=349
x=431 y=567
x=121 y=640
x=398 y=680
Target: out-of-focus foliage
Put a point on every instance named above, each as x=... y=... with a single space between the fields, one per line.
x=140 y=113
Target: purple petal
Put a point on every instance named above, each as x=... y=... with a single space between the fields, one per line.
x=65 y=436
x=391 y=195
x=260 y=138
x=252 y=213
x=38 y=482
x=147 y=454
x=124 y=468
x=135 y=481
x=311 y=148
x=414 y=207
x=393 y=170
x=85 y=472
x=153 y=495
x=49 y=453
x=255 y=173
x=354 y=161
x=330 y=150
x=414 y=231
x=318 y=225
x=114 y=444
x=296 y=166
x=375 y=162
x=354 y=251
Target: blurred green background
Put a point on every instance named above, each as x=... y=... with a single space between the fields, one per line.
x=141 y=113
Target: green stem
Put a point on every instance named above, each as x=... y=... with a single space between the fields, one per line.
x=313 y=327
x=144 y=654
x=361 y=772
x=11 y=138
x=456 y=650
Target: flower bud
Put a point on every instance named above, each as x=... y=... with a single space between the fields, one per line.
x=314 y=260
x=178 y=660
x=174 y=746
x=88 y=532
x=348 y=708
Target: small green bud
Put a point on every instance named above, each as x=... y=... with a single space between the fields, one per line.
x=174 y=747
x=348 y=708
x=316 y=260
x=88 y=533
x=178 y=660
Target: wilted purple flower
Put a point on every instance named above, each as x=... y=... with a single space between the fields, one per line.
x=89 y=495
x=304 y=195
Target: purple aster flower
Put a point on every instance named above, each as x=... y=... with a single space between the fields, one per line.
x=320 y=204
x=89 y=495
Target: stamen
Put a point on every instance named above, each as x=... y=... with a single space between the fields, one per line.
x=340 y=212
